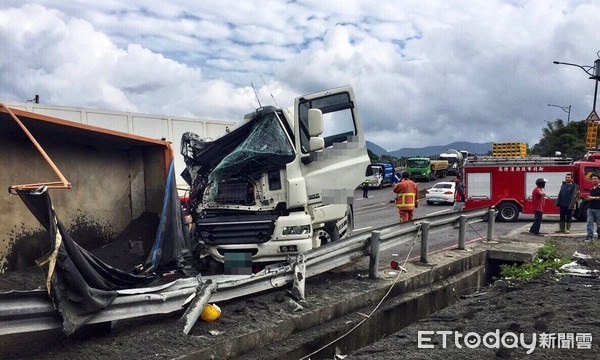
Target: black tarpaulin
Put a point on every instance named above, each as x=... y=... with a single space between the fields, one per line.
x=79 y=284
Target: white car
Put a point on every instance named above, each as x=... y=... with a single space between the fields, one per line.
x=442 y=192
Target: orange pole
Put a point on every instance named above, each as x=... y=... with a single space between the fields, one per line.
x=62 y=184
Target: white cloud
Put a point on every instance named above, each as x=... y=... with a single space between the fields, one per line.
x=424 y=73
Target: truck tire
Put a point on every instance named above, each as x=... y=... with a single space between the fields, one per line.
x=349 y=221
x=346 y=224
x=381 y=184
x=328 y=233
x=507 y=212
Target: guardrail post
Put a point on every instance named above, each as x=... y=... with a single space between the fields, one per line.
x=491 y=221
x=374 y=255
x=462 y=230
x=424 y=241
x=299 y=277
x=203 y=294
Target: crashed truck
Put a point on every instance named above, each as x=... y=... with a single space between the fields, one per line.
x=280 y=183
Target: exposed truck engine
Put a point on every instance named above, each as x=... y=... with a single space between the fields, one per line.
x=281 y=182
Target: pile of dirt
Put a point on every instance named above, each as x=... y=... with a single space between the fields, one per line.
x=162 y=337
x=129 y=249
x=133 y=245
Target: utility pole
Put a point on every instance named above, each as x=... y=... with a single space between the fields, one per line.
x=591 y=136
x=566 y=109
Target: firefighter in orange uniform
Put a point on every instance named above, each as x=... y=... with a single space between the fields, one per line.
x=407 y=198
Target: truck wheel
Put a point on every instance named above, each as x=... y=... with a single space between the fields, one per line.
x=349 y=221
x=346 y=224
x=328 y=233
x=507 y=212
x=381 y=185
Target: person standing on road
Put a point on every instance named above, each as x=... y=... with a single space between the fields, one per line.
x=593 y=213
x=407 y=198
x=459 y=194
x=567 y=197
x=538 y=196
x=365 y=189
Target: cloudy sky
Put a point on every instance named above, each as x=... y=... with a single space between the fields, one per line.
x=424 y=72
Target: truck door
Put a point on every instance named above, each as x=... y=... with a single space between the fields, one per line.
x=332 y=173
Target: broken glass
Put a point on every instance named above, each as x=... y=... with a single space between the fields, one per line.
x=267 y=147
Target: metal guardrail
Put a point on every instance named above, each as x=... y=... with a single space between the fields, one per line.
x=28 y=311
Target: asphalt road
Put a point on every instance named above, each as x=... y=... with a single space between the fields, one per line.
x=377 y=211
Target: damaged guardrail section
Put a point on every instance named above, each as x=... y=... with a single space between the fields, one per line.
x=28 y=311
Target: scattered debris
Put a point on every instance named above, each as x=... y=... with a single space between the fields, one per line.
x=295 y=306
x=338 y=354
x=579 y=268
x=473 y=295
x=363 y=315
x=578 y=255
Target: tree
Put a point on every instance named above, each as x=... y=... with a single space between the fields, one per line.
x=569 y=139
x=388 y=158
x=374 y=157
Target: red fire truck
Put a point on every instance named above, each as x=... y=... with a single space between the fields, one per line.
x=507 y=183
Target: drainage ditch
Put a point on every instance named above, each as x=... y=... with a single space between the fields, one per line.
x=409 y=301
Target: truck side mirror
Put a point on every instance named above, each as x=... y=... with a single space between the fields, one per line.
x=315 y=128
x=315 y=122
x=316 y=143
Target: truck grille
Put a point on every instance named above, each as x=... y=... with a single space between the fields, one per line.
x=230 y=229
x=235 y=193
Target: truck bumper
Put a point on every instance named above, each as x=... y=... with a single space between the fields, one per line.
x=290 y=235
x=266 y=252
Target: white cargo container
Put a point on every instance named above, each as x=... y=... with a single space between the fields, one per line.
x=164 y=127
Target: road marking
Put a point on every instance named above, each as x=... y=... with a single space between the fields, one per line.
x=438 y=212
x=370 y=208
x=362 y=229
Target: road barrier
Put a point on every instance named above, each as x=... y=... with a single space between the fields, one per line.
x=28 y=311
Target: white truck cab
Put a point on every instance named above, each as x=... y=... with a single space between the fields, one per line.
x=281 y=182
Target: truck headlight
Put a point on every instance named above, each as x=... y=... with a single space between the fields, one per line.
x=296 y=230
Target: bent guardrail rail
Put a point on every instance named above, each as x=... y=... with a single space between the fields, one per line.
x=28 y=311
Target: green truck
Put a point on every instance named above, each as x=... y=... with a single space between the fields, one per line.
x=422 y=168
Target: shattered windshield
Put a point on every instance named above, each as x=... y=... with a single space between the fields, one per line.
x=266 y=147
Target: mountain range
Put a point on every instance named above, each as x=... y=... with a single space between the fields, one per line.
x=473 y=148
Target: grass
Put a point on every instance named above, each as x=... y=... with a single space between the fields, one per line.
x=545 y=258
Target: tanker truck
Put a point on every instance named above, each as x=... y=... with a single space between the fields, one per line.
x=456 y=161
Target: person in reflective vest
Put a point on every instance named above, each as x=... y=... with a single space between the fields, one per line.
x=407 y=198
